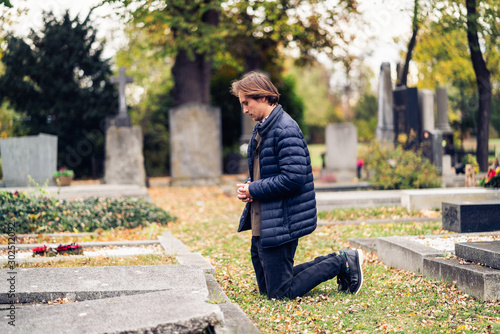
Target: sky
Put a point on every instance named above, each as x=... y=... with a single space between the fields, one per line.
x=386 y=19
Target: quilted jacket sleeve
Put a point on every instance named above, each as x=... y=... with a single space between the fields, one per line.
x=286 y=162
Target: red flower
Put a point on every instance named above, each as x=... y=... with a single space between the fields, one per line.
x=40 y=249
x=491 y=173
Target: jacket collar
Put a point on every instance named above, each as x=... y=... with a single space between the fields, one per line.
x=264 y=127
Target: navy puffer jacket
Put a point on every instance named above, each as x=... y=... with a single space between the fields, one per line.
x=286 y=187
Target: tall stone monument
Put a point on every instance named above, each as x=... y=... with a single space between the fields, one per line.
x=341 y=150
x=124 y=158
x=385 y=125
x=442 y=110
x=195 y=145
x=443 y=124
x=30 y=156
x=426 y=105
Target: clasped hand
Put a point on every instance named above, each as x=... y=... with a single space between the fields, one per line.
x=243 y=192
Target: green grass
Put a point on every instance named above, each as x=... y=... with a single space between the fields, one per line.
x=370 y=213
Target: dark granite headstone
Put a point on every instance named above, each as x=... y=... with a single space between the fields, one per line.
x=463 y=217
x=484 y=252
x=432 y=147
x=407 y=118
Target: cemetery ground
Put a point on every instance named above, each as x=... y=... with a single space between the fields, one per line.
x=391 y=300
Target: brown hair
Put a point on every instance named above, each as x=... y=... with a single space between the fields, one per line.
x=256 y=85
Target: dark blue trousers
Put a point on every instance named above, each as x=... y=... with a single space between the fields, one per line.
x=278 y=278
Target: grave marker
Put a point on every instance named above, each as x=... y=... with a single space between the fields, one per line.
x=195 y=145
x=34 y=156
x=465 y=217
x=124 y=158
x=385 y=125
x=122 y=119
x=342 y=150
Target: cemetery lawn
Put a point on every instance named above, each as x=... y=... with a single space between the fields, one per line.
x=391 y=300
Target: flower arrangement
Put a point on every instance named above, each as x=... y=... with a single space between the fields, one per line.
x=63 y=176
x=71 y=249
x=63 y=172
x=492 y=178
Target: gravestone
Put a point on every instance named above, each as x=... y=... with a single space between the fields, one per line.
x=443 y=123
x=247 y=125
x=447 y=166
x=385 y=125
x=195 y=145
x=426 y=105
x=124 y=157
x=432 y=147
x=442 y=110
x=30 y=156
x=123 y=118
x=465 y=217
x=407 y=118
x=484 y=252
x=341 y=150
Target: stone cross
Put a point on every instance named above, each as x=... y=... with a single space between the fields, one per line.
x=122 y=80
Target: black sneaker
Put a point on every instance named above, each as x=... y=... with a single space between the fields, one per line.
x=343 y=276
x=354 y=270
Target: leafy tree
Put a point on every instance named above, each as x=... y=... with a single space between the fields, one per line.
x=6 y=3
x=366 y=117
x=59 y=82
x=469 y=36
x=185 y=30
x=483 y=81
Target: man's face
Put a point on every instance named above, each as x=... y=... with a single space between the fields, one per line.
x=257 y=109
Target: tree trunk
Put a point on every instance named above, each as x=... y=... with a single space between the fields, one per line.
x=191 y=79
x=403 y=79
x=483 y=86
x=192 y=75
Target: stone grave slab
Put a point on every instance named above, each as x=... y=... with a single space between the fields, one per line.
x=433 y=198
x=471 y=216
x=137 y=299
x=485 y=252
x=402 y=253
x=475 y=280
x=84 y=283
x=159 y=312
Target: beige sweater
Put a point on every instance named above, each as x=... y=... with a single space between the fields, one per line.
x=255 y=206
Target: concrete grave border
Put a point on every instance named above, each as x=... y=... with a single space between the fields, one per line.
x=185 y=308
x=403 y=253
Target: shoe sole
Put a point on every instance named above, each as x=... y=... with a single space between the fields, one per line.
x=360 y=266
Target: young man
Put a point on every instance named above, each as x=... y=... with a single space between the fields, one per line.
x=281 y=202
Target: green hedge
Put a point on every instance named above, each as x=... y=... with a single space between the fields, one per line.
x=39 y=214
x=397 y=168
